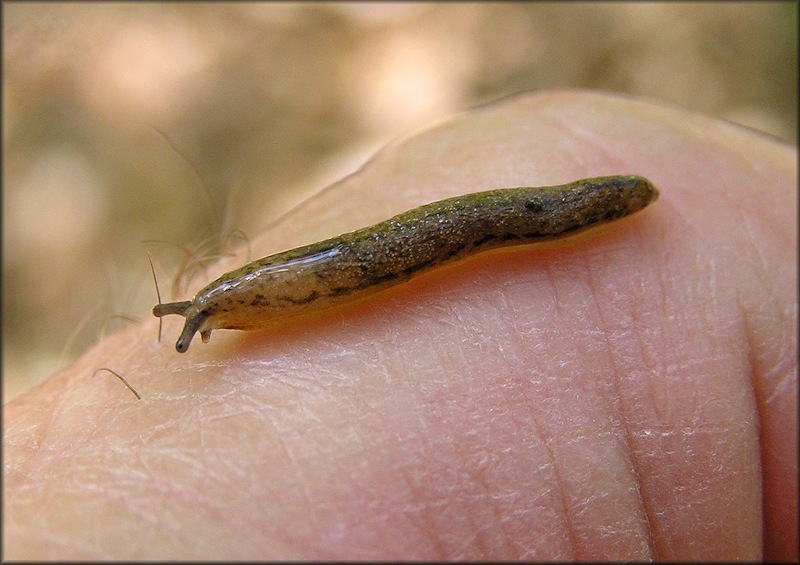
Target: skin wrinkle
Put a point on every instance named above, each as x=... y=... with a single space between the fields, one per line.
x=484 y=467
x=481 y=496
x=519 y=386
x=427 y=527
x=206 y=501
x=550 y=470
x=490 y=531
x=66 y=544
x=644 y=510
x=418 y=507
x=566 y=516
x=766 y=283
x=784 y=382
x=762 y=397
x=45 y=431
x=592 y=285
x=347 y=483
x=555 y=485
x=366 y=524
x=634 y=453
x=713 y=276
x=297 y=467
x=648 y=512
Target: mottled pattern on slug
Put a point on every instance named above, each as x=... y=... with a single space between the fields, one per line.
x=371 y=259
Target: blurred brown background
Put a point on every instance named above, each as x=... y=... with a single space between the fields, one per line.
x=272 y=102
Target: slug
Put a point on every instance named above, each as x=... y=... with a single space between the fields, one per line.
x=366 y=261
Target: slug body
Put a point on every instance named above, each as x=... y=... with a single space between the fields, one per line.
x=371 y=259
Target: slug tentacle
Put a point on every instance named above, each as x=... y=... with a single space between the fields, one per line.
x=160 y=310
x=359 y=263
x=194 y=321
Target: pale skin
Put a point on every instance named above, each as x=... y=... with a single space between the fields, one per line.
x=631 y=394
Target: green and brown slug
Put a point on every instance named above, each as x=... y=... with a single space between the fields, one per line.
x=368 y=260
